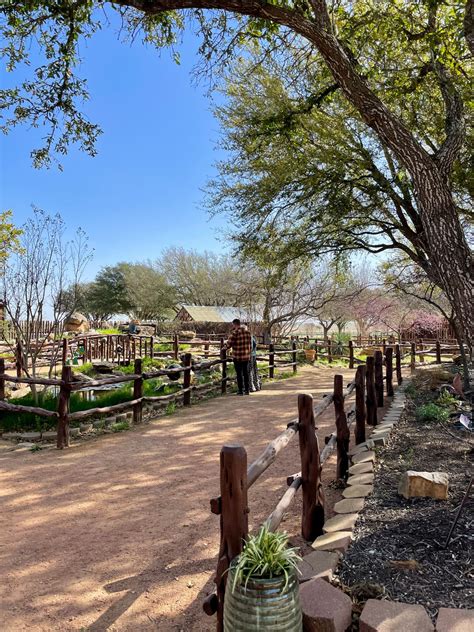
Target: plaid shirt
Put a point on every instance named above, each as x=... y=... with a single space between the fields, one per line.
x=241 y=342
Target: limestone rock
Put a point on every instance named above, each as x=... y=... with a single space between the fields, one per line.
x=340 y=522
x=424 y=485
x=336 y=541
x=358 y=491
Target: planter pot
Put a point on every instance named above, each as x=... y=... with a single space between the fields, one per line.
x=262 y=606
x=310 y=354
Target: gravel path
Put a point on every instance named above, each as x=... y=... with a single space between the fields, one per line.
x=116 y=533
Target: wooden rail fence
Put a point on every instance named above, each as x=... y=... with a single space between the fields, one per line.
x=67 y=384
x=236 y=477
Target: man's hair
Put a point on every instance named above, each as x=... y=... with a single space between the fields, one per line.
x=236 y=321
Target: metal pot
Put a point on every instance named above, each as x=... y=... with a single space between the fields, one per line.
x=262 y=605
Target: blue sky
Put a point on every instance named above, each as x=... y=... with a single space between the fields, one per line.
x=143 y=191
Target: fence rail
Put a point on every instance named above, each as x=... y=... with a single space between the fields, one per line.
x=68 y=384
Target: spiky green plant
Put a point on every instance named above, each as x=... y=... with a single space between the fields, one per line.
x=264 y=556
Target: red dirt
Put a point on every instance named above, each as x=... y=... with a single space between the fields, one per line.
x=116 y=533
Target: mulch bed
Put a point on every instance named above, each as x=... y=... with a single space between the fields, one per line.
x=398 y=550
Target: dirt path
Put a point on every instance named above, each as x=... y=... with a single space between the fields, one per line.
x=116 y=533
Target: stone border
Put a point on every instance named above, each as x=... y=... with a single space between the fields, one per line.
x=334 y=611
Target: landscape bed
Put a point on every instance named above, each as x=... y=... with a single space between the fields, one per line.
x=399 y=545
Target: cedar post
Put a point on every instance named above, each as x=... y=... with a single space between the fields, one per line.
x=140 y=352
x=224 y=368
x=329 y=350
x=271 y=361
x=389 y=371
x=175 y=346
x=234 y=517
x=360 y=404
x=371 y=397
x=351 y=354
x=342 y=431
x=152 y=343
x=413 y=357
x=138 y=392
x=379 y=377
x=312 y=519
x=420 y=347
x=398 y=364
x=438 y=352
x=19 y=359
x=2 y=380
x=294 y=356
x=64 y=351
x=384 y=345
x=315 y=348
x=62 y=440
x=187 y=379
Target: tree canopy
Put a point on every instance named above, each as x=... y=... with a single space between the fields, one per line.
x=374 y=52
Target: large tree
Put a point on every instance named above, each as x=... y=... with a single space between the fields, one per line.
x=368 y=46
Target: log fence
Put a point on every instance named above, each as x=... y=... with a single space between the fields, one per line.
x=236 y=477
x=68 y=383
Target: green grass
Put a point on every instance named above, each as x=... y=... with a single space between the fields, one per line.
x=109 y=332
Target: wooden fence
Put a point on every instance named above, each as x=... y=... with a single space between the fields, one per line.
x=67 y=384
x=236 y=477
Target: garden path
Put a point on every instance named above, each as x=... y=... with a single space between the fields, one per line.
x=116 y=533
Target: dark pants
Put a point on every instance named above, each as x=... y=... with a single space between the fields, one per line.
x=242 y=371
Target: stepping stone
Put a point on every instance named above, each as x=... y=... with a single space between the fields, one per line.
x=325 y=608
x=49 y=434
x=340 y=522
x=336 y=541
x=381 y=438
x=349 y=505
x=455 y=620
x=361 y=479
x=357 y=449
x=318 y=564
x=361 y=468
x=358 y=491
x=74 y=432
x=11 y=435
x=363 y=457
x=85 y=427
x=390 y=616
x=110 y=420
x=30 y=435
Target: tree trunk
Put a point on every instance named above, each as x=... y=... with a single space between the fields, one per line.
x=450 y=265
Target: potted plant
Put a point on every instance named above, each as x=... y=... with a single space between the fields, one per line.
x=262 y=586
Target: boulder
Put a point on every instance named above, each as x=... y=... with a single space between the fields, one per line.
x=424 y=485
x=76 y=323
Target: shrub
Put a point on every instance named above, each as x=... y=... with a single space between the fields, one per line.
x=120 y=426
x=446 y=399
x=431 y=412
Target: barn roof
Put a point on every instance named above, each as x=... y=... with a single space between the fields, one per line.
x=215 y=314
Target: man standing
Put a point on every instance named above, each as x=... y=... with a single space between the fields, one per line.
x=241 y=342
